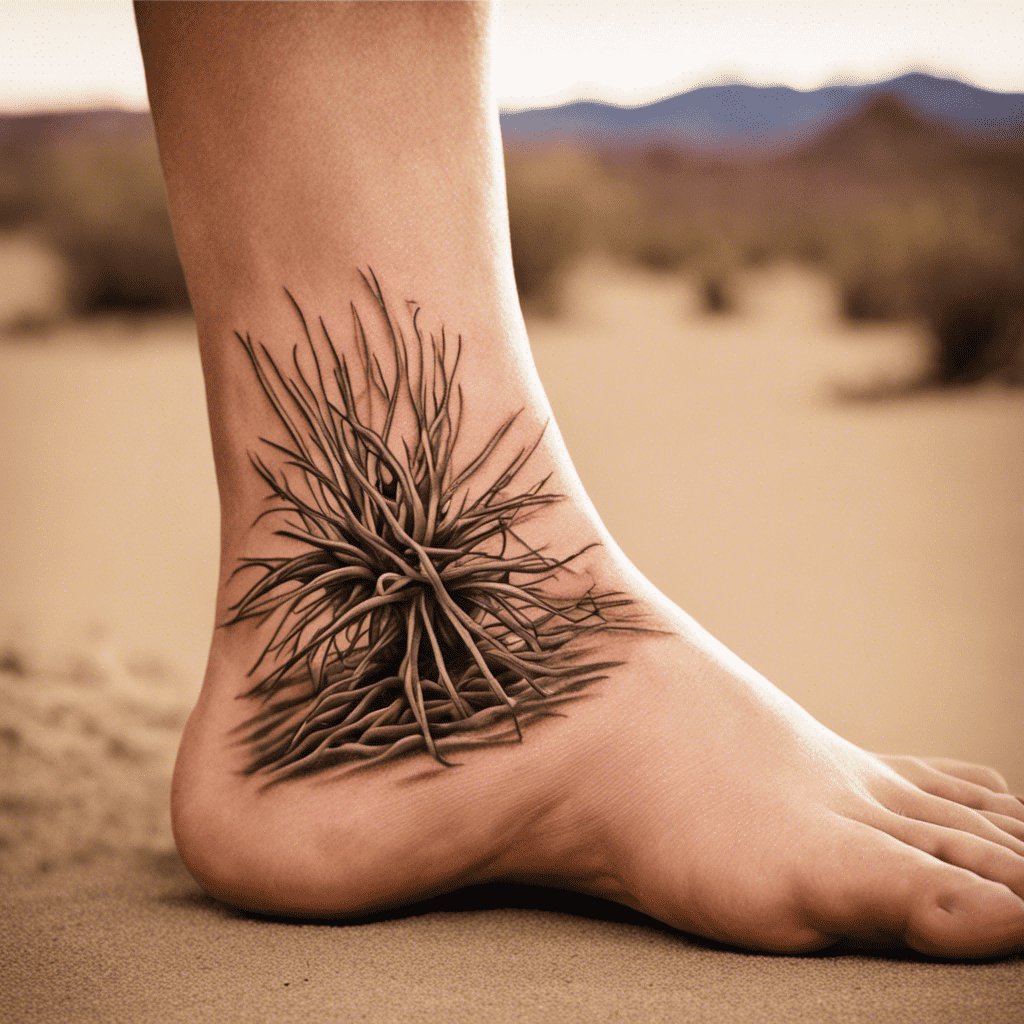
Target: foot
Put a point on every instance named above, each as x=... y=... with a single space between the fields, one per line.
x=680 y=782
x=683 y=785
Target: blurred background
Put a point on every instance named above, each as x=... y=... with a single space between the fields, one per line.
x=783 y=241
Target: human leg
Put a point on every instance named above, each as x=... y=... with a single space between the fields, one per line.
x=301 y=142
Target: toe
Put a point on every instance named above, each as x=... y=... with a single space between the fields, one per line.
x=979 y=774
x=873 y=887
x=958 y=790
x=960 y=848
x=968 y=918
x=937 y=811
x=1012 y=826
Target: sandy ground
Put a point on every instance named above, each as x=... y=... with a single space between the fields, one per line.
x=148 y=948
x=865 y=556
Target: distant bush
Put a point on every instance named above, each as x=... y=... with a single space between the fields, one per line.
x=561 y=203
x=102 y=206
x=33 y=285
x=944 y=249
x=110 y=221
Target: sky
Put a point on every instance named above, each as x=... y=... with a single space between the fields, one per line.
x=58 y=54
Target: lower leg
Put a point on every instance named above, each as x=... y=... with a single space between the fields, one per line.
x=301 y=142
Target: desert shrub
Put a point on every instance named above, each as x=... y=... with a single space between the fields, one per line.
x=106 y=213
x=942 y=251
x=974 y=310
x=101 y=204
x=15 y=205
x=33 y=285
x=561 y=203
x=688 y=217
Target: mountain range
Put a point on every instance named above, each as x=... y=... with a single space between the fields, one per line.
x=721 y=119
x=726 y=119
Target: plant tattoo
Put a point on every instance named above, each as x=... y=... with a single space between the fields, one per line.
x=412 y=615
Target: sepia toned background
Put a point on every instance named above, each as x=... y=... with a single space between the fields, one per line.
x=788 y=365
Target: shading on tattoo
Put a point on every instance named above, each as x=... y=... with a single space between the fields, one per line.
x=412 y=615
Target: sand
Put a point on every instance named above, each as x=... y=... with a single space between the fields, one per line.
x=145 y=945
x=865 y=556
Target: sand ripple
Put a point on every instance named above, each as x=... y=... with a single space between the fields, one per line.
x=85 y=762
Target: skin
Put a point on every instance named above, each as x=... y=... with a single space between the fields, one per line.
x=300 y=142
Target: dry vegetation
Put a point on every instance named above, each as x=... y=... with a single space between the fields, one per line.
x=912 y=222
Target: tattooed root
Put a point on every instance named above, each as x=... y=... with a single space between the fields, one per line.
x=412 y=615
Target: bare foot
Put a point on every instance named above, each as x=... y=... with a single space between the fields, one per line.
x=671 y=777
x=684 y=785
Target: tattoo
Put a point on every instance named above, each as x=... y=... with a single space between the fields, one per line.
x=412 y=615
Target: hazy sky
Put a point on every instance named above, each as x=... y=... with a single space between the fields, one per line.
x=76 y=53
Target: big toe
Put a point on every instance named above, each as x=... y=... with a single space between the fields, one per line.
x=967 y=917
x=876 y=888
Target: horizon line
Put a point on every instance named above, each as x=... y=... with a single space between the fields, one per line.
x=98 y=104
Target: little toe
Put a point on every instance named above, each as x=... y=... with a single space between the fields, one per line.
x=979 y=774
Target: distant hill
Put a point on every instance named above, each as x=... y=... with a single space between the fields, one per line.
x=18 y=130
x=885 y=133
x=746 y=119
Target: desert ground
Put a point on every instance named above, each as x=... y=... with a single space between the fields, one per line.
x=864 y=554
